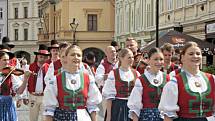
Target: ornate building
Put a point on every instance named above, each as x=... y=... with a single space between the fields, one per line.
x=3 y=18
x=137 y=18
x=23 y=26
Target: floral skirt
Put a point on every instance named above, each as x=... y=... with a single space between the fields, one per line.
x=7 y=109
x=190 y=119
x=150 y=114
x=71 y=115
x=65 y=115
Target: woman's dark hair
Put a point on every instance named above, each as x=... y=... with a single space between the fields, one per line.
x=188 y=45
x=153 y=51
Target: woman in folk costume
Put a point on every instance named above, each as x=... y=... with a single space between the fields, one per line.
x=9 y=83
x=190 y=95
x=118 y=86
x=72 y=93
x=145 y=96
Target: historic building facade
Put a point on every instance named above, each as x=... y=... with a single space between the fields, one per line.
x=23 y=26
x=137 y=18
x=3 y=18
x=93 y=27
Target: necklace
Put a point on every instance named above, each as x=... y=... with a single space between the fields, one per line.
x=73 y=81
x=155 y=81
x=197 y=84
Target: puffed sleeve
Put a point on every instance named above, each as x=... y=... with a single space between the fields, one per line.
x=169 y=99
x=94 y=96
x=16 y=82
x=50 y=97
x=50 y=72
x=99 y=76
x=109 y=90
x=135 y=100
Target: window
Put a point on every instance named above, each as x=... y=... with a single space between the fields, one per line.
x=40 y=13
x=25 y=12
x=25 y=34
x=0 y=33
x=189 y=2
x=161 y=4
x=40 y=30
x=16 y=33
x=169 y=4
x=178 y=3
x=15 y=13
x=92 y=22
x=1 y=13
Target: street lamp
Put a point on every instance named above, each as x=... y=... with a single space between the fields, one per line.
x=157 y=23
x=74 y=27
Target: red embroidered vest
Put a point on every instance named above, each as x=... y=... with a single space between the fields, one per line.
x=123 y=88
x=190 y=102
x=33 y=78
x=6 y=87
x=107 y=65
x=57 y=64
x=171 y=68
x=69 y=99
x=151 y=94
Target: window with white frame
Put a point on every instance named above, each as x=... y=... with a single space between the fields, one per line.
x=117 y=21
x=169 y=4
x=148 y=14
x=16 y=34
x=25 y=34
x=178 y=3
x=1 y=31
x=127 y=18
x=161 y=5
x=188 y=2
x=1 y=13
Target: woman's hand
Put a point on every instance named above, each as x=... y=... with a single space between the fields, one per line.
x=93 y=116
x=167 y=118
x=134 y=116
x=48 y=118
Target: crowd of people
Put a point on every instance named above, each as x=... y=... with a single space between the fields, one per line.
x=157 y=85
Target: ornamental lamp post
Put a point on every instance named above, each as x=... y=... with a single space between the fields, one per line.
x=74 y=26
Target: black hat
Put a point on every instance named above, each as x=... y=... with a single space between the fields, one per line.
x=6 y=49
x=54 y=44
x=6 y=40
x=43 y=50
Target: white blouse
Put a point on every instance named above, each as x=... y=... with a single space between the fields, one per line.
x=169 y=98
x=16 y=81
x=100 y=74
x=109 y=89
x=50 y=93
x=135 y=100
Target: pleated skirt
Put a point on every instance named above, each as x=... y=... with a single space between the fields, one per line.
x=119 y=110
x=7 y=109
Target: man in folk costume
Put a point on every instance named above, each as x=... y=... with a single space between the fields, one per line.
x=106 y=65
x=54 y=61
x=36 y=82
x=168 y=51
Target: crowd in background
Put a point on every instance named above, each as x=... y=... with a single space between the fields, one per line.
x=156 y=85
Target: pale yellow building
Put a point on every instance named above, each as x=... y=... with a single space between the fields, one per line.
x=95 y=20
